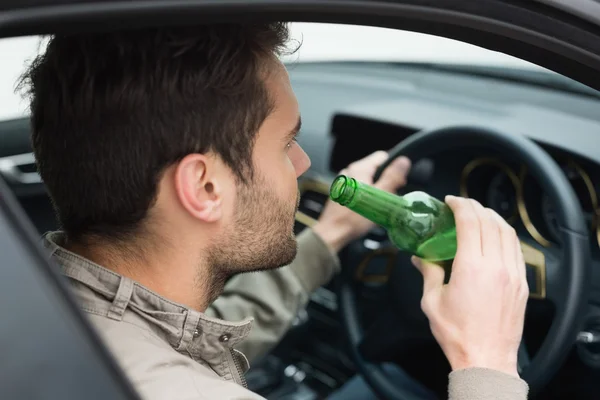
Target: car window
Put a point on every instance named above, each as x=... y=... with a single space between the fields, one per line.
x=15 y=54
x=319 y=43
x=335 y=42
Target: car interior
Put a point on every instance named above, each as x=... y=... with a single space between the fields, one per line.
x=481 y=129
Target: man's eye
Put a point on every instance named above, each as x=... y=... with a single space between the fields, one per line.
x=291 y=143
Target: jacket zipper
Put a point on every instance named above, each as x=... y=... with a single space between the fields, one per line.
x=238 y=368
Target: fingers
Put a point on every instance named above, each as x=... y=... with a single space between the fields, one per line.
x=376 y=158
x=394 y=176
x=371 y=162
x=510 y=246
x=511 y=252
x=468 y=231
x=433 y=275
x=499 y=246
x=364 y=169
x=520 y=260
x=521 y=269
x=490 y=232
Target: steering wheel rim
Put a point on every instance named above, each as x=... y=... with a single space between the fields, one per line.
x=574 y=285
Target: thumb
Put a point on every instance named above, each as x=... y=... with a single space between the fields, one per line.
x=394 y=176
x=433 y=275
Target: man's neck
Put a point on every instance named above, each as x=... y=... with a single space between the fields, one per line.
x=172 y=274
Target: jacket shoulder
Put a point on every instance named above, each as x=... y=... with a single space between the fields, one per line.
x=159 y=372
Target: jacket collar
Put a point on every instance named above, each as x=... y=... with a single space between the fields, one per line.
x=189 y=331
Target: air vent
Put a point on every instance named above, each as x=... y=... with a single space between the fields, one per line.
x=314 y=194
x=20 y=169
x=312 y=203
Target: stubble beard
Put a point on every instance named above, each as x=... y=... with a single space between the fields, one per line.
x=261 y=239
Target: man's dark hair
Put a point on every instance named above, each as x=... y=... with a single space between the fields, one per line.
x=110 y=111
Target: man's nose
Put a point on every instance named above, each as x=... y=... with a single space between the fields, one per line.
x=303 y=162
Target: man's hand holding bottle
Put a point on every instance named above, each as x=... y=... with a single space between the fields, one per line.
x=477 y=318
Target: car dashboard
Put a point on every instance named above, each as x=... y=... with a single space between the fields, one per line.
x=350 y=110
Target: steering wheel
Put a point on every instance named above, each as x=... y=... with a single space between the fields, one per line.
x=562 y=273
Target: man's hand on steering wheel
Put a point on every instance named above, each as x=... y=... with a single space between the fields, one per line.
x=478 y=317
x=338 y=225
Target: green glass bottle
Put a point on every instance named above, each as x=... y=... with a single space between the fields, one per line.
x=416 y=222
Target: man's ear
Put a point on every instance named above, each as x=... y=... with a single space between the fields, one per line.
x=197 y=187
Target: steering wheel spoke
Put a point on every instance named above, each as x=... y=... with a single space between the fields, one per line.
x=555 y=290
x=537 y=259
x=544 y=273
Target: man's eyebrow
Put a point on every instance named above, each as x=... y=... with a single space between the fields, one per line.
x=294 y=132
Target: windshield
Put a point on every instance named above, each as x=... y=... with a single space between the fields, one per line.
x=334 y=43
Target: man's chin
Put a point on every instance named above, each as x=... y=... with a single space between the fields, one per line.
x=285 y=254
x=271 y=259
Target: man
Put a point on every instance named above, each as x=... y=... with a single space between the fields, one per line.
x=170 y=158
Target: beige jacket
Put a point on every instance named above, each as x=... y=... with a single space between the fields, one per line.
x=170 y=352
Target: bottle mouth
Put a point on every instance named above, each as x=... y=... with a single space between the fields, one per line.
x=342 y=189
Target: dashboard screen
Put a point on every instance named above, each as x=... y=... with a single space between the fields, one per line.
x=357 y=137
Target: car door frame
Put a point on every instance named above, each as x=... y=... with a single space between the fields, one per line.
x=50 y=350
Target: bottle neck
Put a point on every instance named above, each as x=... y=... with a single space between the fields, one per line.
x=374 y=204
